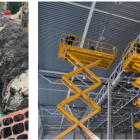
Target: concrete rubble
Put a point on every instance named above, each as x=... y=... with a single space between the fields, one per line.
x=13 y=67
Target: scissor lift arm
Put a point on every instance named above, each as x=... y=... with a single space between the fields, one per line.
x=83 y=60
x=137 y=83
x=137 y=125
x=137 y=103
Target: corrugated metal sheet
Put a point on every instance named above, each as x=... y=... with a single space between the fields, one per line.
x=128 y=9
x=56 y=18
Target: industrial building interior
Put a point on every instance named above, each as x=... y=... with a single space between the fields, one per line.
x=115 y=23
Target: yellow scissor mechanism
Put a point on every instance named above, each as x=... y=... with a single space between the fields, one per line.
x=137 y=103
x=131 y=62
x=83 y=59
x=137 y=125
x=137 y=83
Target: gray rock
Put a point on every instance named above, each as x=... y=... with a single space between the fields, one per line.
x=12 y=91
x=13 y=62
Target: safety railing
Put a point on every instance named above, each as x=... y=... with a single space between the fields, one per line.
x=98 y=46
x=133 y=47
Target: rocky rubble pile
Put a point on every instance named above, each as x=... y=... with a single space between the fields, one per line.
x=13 y=67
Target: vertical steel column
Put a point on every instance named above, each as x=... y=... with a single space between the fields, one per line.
x=101 y=135
x=88 y=22
x=88 y=122
x=109 y=111
x=76 y=133
x=132 y=125
x=113 y=136
x=41 y=123
x=126 y=136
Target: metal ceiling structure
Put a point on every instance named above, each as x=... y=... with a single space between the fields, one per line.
x=56 y=18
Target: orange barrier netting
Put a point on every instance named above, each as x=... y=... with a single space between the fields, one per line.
x=14 y=125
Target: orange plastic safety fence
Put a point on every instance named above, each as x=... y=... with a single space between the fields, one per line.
x=14 y=125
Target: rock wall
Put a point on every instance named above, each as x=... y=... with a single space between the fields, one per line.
x=13 y=67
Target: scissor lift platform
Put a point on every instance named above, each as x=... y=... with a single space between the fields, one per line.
x=131 y=58
x=103 y=51
x=131 y=62
x=137 y=104
x=83 y=59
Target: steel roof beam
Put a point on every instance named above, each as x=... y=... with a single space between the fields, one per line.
x=59 y=90
x=63 y=73
x=104 y=12
x=116 y=75
x=51 y=82
x=126 y=118
x=80 y=75
x=76 y=4
x=88 y=23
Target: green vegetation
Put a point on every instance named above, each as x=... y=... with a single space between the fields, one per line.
x=1 y=7
x=14 y=6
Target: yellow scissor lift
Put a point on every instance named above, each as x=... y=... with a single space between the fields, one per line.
x=137 y=103
x=131 y=62
x=83 y=59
